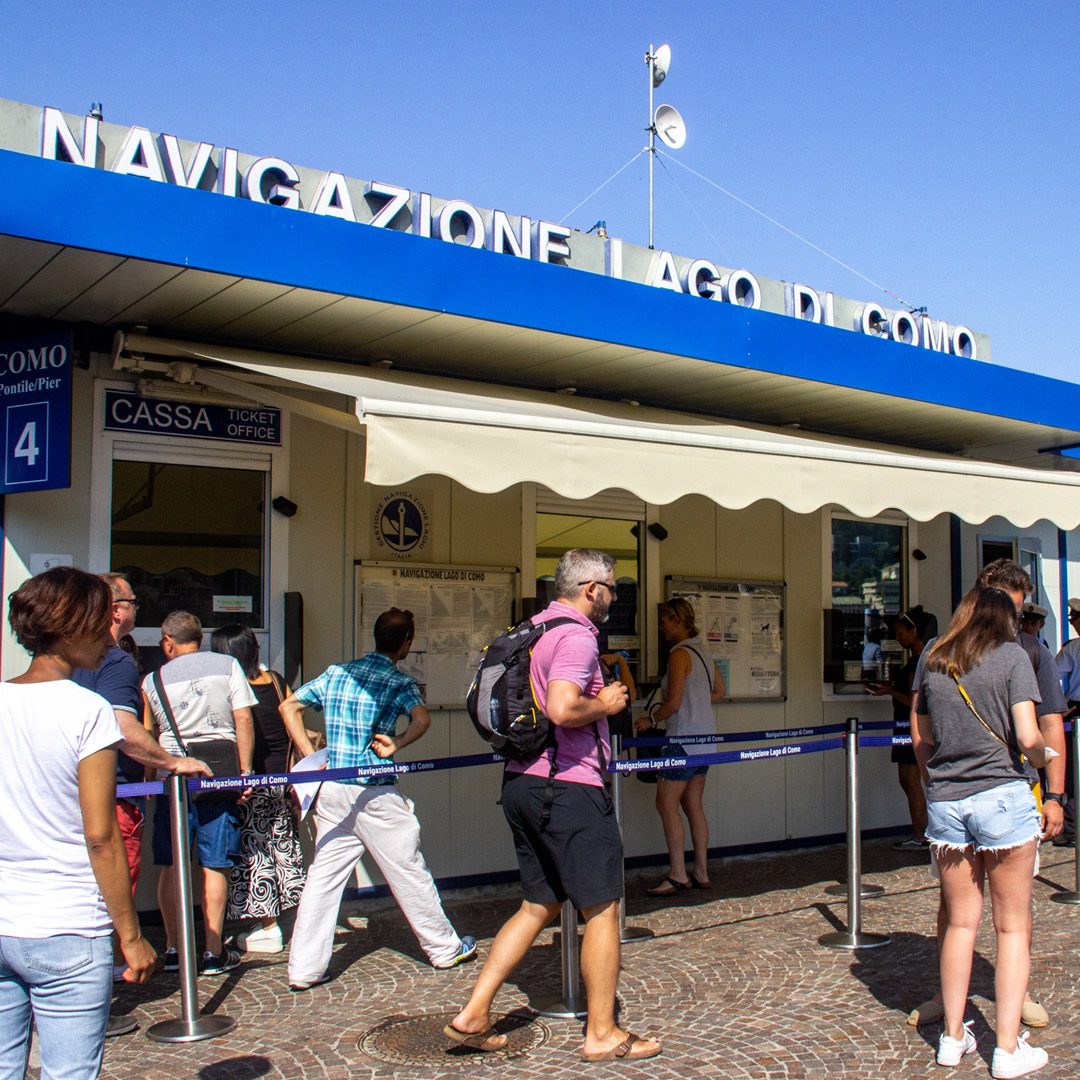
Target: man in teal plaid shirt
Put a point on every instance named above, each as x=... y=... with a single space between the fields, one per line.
x=361 y=701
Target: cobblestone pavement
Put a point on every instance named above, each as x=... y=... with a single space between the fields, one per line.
x=734 y=981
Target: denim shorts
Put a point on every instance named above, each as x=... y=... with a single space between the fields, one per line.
x=681 y=773
x=995 y=820
x=214 y=824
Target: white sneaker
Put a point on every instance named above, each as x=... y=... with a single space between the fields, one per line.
x=260 y=940
x=950 y=1050
x=1023 y=1060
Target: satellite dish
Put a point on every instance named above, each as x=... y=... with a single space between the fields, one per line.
x=669 y=125
x=661 y=63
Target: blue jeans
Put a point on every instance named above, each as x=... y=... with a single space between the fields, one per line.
x=63 y=983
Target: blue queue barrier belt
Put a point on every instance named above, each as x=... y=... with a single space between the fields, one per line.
x=734 y=736
x=240 y=783
x=726 y=757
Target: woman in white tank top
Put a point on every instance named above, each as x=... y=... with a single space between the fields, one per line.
x=692 y=683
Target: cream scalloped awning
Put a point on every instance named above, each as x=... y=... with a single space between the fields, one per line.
x=490 y=437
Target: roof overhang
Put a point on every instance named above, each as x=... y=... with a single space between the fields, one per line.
x=83 y=245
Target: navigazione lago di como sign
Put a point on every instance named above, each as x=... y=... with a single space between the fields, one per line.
x=135 y=151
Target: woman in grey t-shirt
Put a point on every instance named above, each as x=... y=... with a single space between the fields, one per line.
x=974 y=704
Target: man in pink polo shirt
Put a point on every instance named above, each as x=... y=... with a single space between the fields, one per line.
x=565 y=834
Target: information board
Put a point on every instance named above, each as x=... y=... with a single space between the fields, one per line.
x=743 y=624
x=459 y=610
x=35 y=421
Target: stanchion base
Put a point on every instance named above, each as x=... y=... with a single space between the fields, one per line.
x=630 y=934
x=1066 y=897
x=844 y=940
x=182 y=1031
x=865 y=890
x=553 y=1006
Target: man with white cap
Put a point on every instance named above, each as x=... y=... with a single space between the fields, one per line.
x=1033 y=619
x=1068 y=665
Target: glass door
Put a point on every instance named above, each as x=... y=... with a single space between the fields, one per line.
x=192 y=538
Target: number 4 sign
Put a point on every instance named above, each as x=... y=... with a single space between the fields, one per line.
x=35 y=413
x=27 y=436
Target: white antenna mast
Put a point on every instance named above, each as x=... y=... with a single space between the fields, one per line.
x=665 y=121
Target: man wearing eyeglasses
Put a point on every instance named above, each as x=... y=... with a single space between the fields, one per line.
x=118 y=682
x=566 y=837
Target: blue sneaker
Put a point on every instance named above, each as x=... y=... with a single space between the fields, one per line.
x=465 y=953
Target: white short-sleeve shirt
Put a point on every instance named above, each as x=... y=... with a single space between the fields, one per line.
x=47 y=885
x=203 y=689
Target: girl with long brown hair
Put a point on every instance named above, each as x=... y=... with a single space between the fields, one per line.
x=974 y=704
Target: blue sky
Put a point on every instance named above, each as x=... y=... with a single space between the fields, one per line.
x=932 y=146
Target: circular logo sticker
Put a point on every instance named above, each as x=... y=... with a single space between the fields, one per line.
x=401 y=522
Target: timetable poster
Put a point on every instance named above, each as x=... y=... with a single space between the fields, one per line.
x=459 y=610
x=742 y=624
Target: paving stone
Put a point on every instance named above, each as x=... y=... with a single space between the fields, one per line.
x=735 y=983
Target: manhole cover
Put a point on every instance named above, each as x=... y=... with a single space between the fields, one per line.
x=419 y=1040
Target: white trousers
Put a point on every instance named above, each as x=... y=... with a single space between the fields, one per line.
x=351 y=819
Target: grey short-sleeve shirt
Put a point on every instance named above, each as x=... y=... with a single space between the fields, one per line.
x=967 y=759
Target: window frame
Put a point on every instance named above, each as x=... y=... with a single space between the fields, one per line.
x=108 y=446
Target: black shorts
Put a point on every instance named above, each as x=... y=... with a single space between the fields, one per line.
x=903 y=755
x=578 y=854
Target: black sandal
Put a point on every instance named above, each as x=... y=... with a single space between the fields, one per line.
x=676 y=887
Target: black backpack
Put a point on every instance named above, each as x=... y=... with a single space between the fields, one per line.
x=501 y=702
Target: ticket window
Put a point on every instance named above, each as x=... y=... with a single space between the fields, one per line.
x=555 y=533
x=869 y=589
x=190 y=537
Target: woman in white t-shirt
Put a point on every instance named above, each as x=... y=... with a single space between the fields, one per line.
x=63 y=873
x=691 y=685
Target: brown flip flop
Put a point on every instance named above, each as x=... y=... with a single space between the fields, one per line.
x=625 y=1051
x=480 y=1040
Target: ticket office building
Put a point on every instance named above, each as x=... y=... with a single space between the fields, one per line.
x=287 y=419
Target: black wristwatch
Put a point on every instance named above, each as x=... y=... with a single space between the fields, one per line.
x=1052 y=796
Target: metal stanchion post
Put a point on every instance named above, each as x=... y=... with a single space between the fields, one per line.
x=853 y=937
x=566 y=1006
x=1073 y=897
x=627 y=934
x=191 y=1027
x=854 y=838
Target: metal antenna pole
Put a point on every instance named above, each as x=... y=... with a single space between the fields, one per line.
x=1073 y=897
x=191 y=1027
x=651 y=58
x=853 y=937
